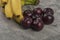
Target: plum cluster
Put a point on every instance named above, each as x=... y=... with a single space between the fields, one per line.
x=37 y=17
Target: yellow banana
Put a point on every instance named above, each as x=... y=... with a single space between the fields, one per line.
x=4 y=1
x=8 y=10
x=16 y=7
x=19 y=19
x=17 y=10
x=0 y=3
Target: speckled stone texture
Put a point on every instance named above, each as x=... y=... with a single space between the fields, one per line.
x=10 y=30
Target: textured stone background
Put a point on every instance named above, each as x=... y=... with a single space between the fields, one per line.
x=9 y=30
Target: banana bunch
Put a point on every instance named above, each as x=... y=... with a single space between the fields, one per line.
x=12 y=9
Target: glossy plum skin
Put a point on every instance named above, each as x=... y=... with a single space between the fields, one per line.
x=26 y=22
x=27 y=13
x=48 y=19
x=37 y=24
x=37 y=11
x=48 y=11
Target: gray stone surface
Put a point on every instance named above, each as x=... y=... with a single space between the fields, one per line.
x=10 y=30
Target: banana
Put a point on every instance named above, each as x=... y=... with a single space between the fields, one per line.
x=17 y=10
x=4 y=1
x=0 y=3
x=8 y=10
x=19 y=19
x=16 y=7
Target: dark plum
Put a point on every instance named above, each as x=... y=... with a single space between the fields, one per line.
x=48 y=19
x=26 y=22
x=48 y=11
x=37 y=24
x=37 y=11
x=27 y=13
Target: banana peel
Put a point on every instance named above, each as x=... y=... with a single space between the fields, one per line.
x=18 y=19
x=0 y=3
x=8 y=10
x=18 y=11
x=4 y=1
x=15 y=4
